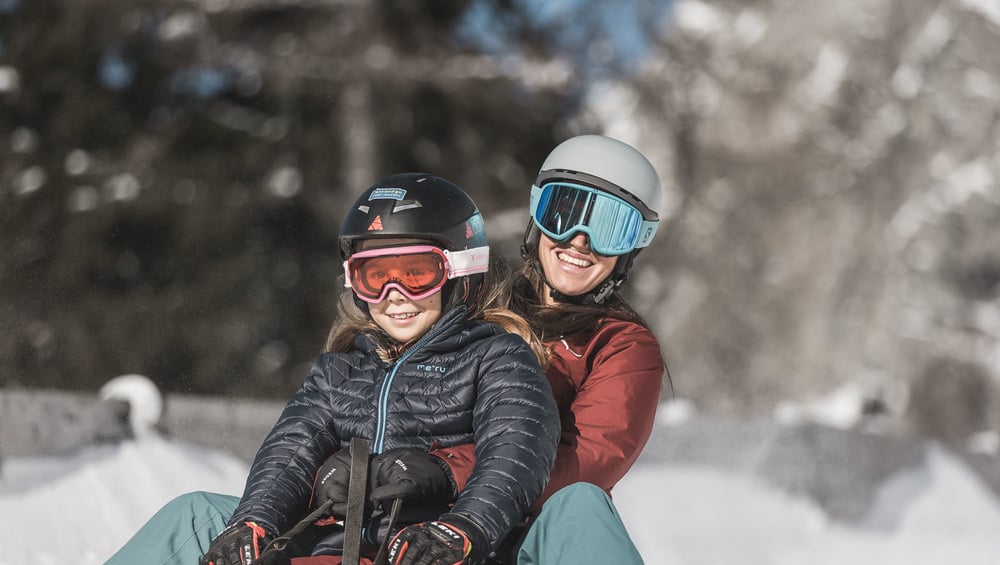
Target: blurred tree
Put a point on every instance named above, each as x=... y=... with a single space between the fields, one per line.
x=174 y=172
x=835 y=209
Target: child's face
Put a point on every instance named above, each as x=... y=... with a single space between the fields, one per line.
x=403 y=318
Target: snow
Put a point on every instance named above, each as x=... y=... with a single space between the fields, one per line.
x=711 y=517
x=81 y=508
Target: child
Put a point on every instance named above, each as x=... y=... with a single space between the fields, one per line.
x=414 y=365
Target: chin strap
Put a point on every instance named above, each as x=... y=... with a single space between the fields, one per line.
x=596 y=295
x=603 y=291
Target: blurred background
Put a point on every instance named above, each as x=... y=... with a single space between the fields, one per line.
x=173 y=174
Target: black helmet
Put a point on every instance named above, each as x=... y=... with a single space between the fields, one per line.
x=414 y=205
x=420 y=206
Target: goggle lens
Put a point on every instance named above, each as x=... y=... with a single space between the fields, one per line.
x=613 y=226
x=417 y=272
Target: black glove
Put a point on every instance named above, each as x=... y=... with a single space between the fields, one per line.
x=411 y=474
x=435 y=543
x=238 y=544
x=333 y=481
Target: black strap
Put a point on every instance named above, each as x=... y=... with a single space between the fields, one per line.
x=356 y=501
x=359 y=480
x=382 y=549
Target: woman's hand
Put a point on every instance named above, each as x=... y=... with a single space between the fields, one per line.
x=411 y=474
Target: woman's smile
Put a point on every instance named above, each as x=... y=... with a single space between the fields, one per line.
x=571 y=267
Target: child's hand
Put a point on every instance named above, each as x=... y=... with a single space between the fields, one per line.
x=238 y=544
x=333 y=480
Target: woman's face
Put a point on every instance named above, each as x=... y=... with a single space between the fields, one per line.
x=402 y=318
x=571 y=267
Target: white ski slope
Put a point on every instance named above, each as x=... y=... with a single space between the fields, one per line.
x=79 y=509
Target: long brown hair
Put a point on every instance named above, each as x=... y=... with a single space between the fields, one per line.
x=523 y=289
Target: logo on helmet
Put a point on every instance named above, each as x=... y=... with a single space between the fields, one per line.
x=376 y=224
x=387 y=194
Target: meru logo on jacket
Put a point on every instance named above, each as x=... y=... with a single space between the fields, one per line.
x=432 y=368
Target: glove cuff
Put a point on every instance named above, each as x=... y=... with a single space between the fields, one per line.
x=481 y=546
x=448 y=473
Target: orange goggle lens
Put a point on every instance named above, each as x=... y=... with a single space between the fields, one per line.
x=416 y=271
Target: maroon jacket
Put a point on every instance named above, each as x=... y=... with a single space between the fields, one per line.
x=607 y=387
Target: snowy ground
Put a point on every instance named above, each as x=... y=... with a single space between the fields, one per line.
x=702 y=516
x=79 y=509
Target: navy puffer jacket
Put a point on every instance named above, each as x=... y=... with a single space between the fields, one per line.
x=463 y=381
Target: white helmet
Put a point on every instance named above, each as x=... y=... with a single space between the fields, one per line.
x=616 y=166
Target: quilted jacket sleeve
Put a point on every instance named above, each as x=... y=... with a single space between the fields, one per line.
x=516 y=430
x=280 y=481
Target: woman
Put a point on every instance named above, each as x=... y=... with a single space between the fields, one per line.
x=594 y=206
x=414 y=363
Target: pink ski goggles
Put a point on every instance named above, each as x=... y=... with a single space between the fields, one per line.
x=417 y=271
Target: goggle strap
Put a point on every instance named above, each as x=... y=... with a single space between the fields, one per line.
x=468 y=261
x=347 y=275
x=536 y=195
x=646 y=232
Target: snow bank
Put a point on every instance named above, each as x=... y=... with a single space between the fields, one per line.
x=678 y=514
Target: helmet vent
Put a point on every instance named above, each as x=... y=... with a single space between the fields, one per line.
x=407 y=205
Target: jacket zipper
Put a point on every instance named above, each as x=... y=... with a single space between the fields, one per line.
x=383 y=395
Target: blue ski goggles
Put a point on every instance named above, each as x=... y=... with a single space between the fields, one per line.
x=614 y=227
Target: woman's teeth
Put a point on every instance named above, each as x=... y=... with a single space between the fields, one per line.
x=404 y=315
x=573 y=260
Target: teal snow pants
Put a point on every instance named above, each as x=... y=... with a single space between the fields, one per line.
x=577 y=526
x=180 y=532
